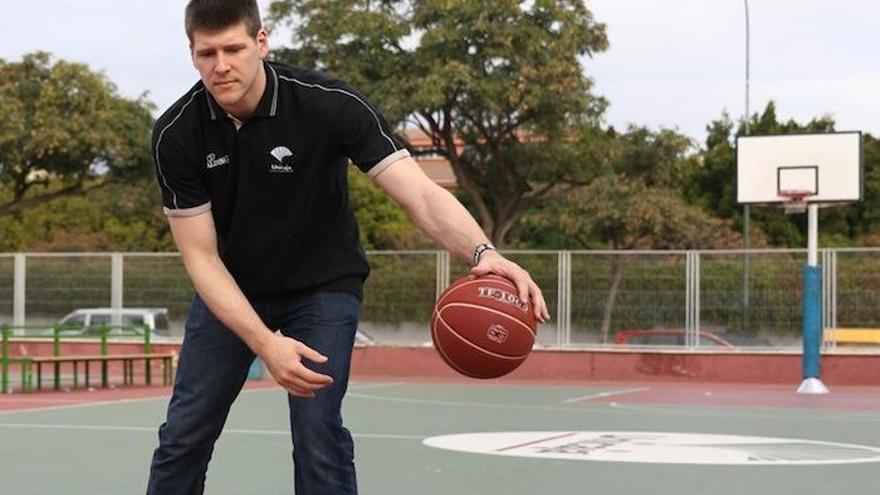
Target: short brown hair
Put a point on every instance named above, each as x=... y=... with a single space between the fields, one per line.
x=214 y=15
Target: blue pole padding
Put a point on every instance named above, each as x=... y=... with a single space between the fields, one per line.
x=255 y=372
x=812 y=320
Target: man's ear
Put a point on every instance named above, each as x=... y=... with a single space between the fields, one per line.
x=263 y=42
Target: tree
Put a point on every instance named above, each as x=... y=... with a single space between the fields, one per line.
x=502 y=76
x=618 y=213
x=638 y=205
x=383 y=223
x=65 y=131
x=116 y=217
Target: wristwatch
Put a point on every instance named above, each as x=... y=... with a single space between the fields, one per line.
x=482 y=248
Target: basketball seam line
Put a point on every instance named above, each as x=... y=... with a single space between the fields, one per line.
x=491 y=310
x=475 y=346
x=449 y=360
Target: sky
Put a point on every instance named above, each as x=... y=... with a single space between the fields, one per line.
x=671 y=63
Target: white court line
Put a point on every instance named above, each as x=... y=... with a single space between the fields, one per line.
x=705 y=412
x=425 y=402
x=602 y=395
x=84 y=405
x=154 y=429
x=25 y=398
x=616 y=409
x=77 y=404
x=354 y=386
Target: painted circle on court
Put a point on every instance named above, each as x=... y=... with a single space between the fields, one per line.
x=657 y=448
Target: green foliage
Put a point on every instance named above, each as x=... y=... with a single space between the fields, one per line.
x=64 y=131
x=502 y=76
x=115 y=217
x=863 y=219
x=636 y=204
x=658 y=158
x=616 y=213
x=383 y=223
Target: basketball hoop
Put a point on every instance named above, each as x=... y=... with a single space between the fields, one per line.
x=795 y=200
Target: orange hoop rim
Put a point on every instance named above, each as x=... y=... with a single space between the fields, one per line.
x=796 y=195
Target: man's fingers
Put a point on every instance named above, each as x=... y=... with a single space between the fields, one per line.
x=541 y=312
x=311 y=354
x=301 y=387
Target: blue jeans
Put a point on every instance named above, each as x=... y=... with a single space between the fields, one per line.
x=212 y=368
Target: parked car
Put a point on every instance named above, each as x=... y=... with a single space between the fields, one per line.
x=666 y=337
x=675 y=337
x=86 y=322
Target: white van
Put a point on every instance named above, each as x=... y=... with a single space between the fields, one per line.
x=87 y=321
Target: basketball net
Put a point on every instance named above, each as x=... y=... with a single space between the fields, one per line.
x=795 y=200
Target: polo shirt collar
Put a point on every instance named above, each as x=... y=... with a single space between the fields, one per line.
x=268 y=105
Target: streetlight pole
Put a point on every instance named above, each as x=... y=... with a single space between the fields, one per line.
x=746 y=208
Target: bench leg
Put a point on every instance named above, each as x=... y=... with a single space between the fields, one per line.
x=26 y=379
x=105 y=380
x=147 y=369
x=166 y=371
x=57 y=367
x=127 y=371
x=39 y=376
x=87 y=374
x=75 y=374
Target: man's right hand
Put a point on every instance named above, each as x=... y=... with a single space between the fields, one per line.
x=284 y=358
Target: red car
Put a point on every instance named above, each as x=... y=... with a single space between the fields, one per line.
x=668 y=337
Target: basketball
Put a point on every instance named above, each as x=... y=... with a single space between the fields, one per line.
x=480 y=327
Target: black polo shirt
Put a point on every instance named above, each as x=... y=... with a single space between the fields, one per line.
x=277 y=186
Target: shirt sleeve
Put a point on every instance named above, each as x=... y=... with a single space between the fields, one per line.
x=364 y=134
x=180 y=178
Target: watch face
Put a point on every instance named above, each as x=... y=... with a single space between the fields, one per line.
x=478 y=253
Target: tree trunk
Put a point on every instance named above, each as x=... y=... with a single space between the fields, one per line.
x=22 y=204
x=611 y=301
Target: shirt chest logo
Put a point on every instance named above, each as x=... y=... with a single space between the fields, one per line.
x=213 y=161
x=284 y=159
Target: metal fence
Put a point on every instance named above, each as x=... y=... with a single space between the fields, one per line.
x=695 y=299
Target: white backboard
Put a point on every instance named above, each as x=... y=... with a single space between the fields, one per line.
x=828 y=166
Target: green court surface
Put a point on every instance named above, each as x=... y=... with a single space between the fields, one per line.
x=105 y=447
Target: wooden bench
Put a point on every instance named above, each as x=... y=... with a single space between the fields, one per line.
x=853 y=336
x=127 y=360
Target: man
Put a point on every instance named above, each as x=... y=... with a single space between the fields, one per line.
x=252 y=165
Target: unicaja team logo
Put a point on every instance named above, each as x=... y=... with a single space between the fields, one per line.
x=497 y=333
x=502 y=296
x=281 y=153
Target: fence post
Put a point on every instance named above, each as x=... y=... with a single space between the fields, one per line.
x=148 y=348
x=56 y=351
x=116 y=282
x=829 y=297
x=563 y=298
x=104 y=367
x=688 y=300
x=18 y=290
x=4 y=359
x=442 y=276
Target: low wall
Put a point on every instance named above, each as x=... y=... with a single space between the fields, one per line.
x=620 y=365
x=561 y=365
